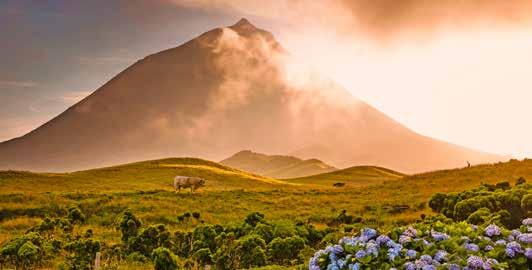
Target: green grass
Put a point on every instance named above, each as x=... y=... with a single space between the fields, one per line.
x=230 y=194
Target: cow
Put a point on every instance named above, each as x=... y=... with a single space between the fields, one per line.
x=188 y=182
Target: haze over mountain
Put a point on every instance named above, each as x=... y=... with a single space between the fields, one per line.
x=229 y=89
x=277 y=166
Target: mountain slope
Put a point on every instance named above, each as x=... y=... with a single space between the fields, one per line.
x=229 y=89
x=277 y=166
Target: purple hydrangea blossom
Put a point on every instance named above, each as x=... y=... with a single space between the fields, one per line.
x=369 y=233
x=528 y=253
x=471 y=247
x=382 y=240
x=440 y=256
x=488 y=248
x=410 y=266
x=492 y=230
x=525 y=238
x=475 y=262
x=337 y=249
x=360 y=254
x=512 y=249
x=438 y=236
x=411 y=253
x=355 y=266
x=501 y=242
x=527 y=222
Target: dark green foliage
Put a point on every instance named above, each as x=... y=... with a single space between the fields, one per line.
x=203 y=256
x=81 y=253
x=498 y=203
x=254 y=218
x=75 y=216
x=281 y=251
x=196 y=215
x=25 y=251
x=129 y=226
x=164 y=259
x=148 y=239
x=250 y=250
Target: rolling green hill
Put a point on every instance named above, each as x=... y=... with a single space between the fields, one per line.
x=276 y=166
x=146 y=175
x=352 y=176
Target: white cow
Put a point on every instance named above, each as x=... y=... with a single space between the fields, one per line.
x=188 y=182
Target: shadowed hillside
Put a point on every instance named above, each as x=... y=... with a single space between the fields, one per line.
x=276 y=165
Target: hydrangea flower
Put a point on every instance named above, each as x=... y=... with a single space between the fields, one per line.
x=525 y=238
x=369 y=233
x=411 y=253
x=488 y=248
x=492 y=230
x=337 y=249
x=528 y=253
x=373 y=249
x=410 y=266
x=438 y=236
x=382 y=240
x=355 y=266
x=471 y=247
x=501 y=242
x=475 y=262
x=441 y=255
x=527 y=221
x=512 y=249
x=360 y=254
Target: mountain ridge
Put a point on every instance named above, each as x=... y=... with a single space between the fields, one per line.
x=277 y=166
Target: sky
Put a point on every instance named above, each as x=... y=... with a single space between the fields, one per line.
x=454 y=70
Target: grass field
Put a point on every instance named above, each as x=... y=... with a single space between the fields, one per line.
x=230 y=194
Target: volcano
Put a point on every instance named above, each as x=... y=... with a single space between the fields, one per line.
x=229 y=89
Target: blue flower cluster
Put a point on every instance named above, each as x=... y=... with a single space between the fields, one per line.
x=455 y=246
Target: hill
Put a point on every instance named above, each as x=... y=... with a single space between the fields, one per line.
x=230 y=88
x=146 y=175
x=353 y=176
x=276 y=166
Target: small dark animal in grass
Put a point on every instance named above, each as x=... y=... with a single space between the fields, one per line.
x=188 y=182
x=339 y=184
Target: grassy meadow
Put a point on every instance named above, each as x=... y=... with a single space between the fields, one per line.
x=381 y=197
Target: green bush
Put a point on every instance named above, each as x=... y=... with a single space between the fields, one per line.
x=164 y=259
x=250 y=250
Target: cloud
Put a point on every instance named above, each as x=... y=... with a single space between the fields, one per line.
x=379 y=19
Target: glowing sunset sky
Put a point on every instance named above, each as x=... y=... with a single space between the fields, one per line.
x=460 y=71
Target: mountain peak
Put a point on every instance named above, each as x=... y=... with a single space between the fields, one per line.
x=243 y=24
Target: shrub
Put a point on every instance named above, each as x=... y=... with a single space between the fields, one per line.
x=254 y=218
x=164 y=259
x=250 y=250
x=129 y=226
x=75 y=215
